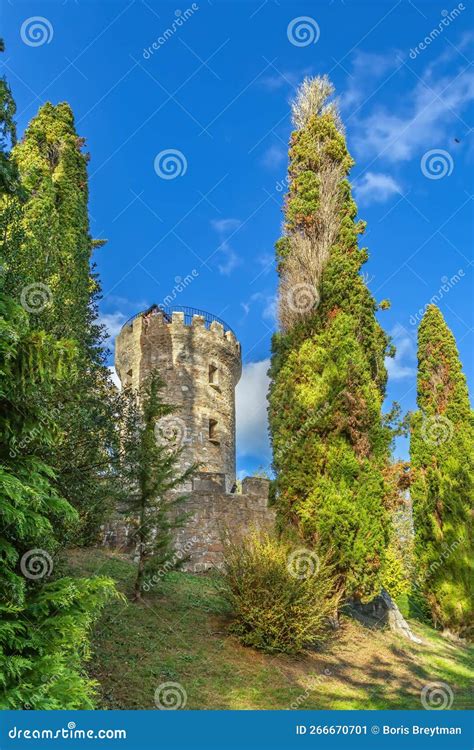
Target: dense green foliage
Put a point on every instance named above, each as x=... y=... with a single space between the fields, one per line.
x=329 y=440
x=150 y=471
x=56 y=246
x=281 y=597
x=44 y=617
x=44 y=624
x=441 y=451
x=48 y=253
x=8 y=175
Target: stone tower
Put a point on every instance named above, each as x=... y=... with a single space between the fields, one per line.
x=199 y=358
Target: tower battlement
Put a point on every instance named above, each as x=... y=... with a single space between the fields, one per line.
x=182 y=316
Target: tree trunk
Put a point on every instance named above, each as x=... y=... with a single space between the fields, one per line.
x=395 y=619
x=137 y=589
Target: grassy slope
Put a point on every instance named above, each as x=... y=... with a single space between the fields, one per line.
x=180 y=634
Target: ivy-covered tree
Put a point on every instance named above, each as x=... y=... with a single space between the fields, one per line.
x=330 y=442
x=50 y=273
x=152 y=480
x=44 y=618
x=442 y=487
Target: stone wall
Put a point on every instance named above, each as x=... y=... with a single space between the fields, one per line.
x=210 y=512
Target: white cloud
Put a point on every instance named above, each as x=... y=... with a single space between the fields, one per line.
x=273 y=156
x=251 y=411
x=270 y=310
x=113 y=322
x=267 y=261
x=268 y=303
x=367 y=69
x=225 y=228
x=423 y=117
x=115 y=378
x=231 y=261
x=281 y=79
x=126 y=304
x=423 y=114
x=376 y=187
x=403 y=365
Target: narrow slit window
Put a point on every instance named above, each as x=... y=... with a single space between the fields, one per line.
x=213 y=375
x=213 y=430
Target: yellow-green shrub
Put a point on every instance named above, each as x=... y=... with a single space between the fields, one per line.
x=281 y=596
x=394 y=577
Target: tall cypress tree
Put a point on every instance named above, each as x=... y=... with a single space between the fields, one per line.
x=56 y=246
x=44 y=617
x=50 y=273
x=328 y=377
x=441 y=451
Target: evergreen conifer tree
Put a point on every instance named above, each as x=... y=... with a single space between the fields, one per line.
x=442 y=461
x=44 y=617
x=50 y=273
x=330 y=442
x=152 y=480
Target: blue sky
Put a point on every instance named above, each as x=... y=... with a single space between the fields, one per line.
x=215 y=88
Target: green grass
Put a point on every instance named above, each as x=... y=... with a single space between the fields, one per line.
x=180 y=634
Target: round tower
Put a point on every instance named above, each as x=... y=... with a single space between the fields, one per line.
x=199 y=359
